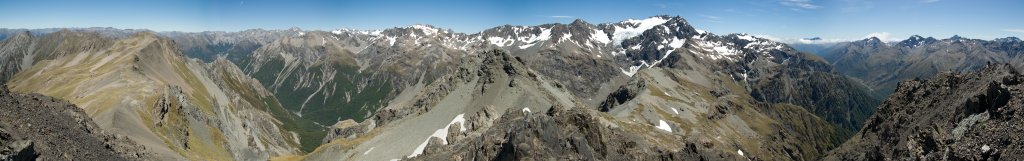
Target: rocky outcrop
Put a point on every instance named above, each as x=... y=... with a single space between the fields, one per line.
x=347 y=129
x=564 y=134
x=955 y=116
x=490 y=69
x=36 y=127
x=623 y=94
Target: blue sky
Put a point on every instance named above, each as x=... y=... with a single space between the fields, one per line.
x=781 y=19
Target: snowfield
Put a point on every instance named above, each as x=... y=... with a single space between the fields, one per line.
x=664 y=126
x=442 y=134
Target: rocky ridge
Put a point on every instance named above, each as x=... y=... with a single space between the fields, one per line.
x=143 y=88
x=36 y=127
x=954 y=116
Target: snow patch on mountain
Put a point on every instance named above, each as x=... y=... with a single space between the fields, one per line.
x=675 y=44
x=566 y=37
x=499 y=41
x=716 y=50
x=699 y=31
x=441 y=134
x=724 y=50
x=600 y=36
x=633 y=69
x=363 y=32
x=426 y=29
x=526 y=46
x=391 y=41
x=664 y=126
x=747 y=37
x=635 y=28
x=545 y=34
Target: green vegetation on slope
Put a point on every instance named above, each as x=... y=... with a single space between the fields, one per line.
x=320 y=109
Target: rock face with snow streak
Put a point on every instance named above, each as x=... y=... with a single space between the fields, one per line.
x=954 y=116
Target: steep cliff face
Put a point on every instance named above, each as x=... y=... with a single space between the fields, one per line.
x=37 y=127
x=955 y=116
x=142 y=87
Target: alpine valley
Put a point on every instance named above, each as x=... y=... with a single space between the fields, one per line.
x=652 y=88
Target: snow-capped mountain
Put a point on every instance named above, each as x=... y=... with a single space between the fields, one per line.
x=589 y=60
x=882 y=65
x=626 y=74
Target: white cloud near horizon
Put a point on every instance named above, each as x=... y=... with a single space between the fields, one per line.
x=801 y=40
x=1014 y=30
x=561 y=16
x=800 y=4
x=884 y=36
x=711 y=18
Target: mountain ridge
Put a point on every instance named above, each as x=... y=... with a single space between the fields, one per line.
x=331 y=87
x=957 y=116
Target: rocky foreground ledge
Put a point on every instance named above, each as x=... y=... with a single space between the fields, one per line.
x=955 y=116
x=37 y=127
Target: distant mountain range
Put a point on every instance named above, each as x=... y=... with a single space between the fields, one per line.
x=881 y=65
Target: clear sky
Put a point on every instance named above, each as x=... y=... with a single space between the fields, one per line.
x=781 y=19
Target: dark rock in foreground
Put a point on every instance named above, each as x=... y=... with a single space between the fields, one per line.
x=36 y=127
x=974 y=116
x=562 y=134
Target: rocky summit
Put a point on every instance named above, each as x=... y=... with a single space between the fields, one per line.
x=954 y=116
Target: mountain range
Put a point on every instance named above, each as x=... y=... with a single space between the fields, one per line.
x=653 y=88
x=882 y=65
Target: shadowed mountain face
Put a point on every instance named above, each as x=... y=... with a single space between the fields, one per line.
x=882 y=65
x=954 y=116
